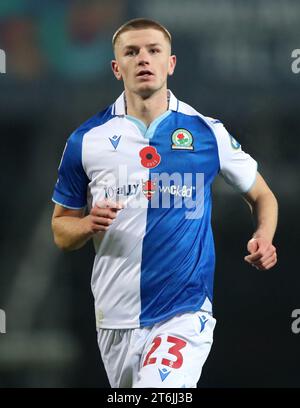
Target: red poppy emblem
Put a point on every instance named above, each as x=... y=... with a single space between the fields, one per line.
x=149 y=157
x=149 y=188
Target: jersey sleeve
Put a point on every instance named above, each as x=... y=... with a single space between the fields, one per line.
x=70 y=190
x=237 y=167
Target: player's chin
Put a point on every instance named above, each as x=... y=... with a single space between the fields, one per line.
x=146 y=88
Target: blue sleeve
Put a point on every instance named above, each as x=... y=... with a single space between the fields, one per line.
x=71 y=187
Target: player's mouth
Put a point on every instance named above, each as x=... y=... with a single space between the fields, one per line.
x=145 y=74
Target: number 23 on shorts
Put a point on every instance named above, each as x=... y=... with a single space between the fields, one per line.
x=178 y=344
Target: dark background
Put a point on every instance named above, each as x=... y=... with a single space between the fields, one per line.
x=234 y=63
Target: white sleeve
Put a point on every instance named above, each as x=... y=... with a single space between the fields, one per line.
x=237 y=167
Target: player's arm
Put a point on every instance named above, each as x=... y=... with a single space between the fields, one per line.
x=264 y=208
x=72 y=229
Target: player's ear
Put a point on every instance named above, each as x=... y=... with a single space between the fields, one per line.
x=172 y=64
x=116 y=70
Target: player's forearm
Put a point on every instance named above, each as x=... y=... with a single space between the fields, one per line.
x=265 y=212
x=70 y=233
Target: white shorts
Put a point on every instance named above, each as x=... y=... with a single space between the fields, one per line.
x=169 y=354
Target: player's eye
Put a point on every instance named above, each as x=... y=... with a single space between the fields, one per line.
x=130 y=52
x=154 y=50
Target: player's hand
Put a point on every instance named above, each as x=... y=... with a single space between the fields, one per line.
x=262 y=254
x=102 y=215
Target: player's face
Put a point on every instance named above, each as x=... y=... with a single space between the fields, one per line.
x=143 y=61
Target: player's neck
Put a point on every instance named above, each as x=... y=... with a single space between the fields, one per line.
x=147 y=110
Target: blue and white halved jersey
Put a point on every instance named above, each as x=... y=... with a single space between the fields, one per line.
x=157 y=258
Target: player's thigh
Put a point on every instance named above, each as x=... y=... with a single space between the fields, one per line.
x=176 y=351
x=114 y=348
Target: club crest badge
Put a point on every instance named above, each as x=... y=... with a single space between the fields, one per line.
x=182 y=139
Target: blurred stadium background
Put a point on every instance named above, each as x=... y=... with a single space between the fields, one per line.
x=234 y=63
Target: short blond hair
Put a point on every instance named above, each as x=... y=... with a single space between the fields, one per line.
x=140 y=24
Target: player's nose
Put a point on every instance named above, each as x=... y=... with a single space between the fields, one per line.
x=143 y=57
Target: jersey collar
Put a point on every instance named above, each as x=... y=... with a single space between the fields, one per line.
x=118 y=108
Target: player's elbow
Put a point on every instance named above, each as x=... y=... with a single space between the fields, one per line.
x=269 y=196
x=61 y=242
